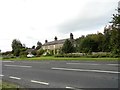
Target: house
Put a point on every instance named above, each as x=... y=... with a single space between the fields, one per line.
x=56 y=44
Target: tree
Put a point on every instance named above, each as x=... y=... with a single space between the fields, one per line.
x=16 y=47
x=115 y=34
x=34 y=52
x=107 y=36
x=33 y=47
x=68 y=47
x=40 y=52
x=39 y=45
x=100 y=41
x=78 y=43
x=88 y=45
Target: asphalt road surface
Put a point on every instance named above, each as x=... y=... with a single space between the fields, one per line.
x=62 y=74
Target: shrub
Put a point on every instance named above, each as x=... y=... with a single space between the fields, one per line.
x=40 y=52
x=34 y=52
x=23 y=54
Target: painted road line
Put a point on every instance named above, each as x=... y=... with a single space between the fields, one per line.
x=39 y=82
x=7 y=61
x=37 y=62
x=72 y=88
x=1 y=75
x=18 y=66
x=14 y=78
x=83 y=63
x=69 y=87
x=113 y=64
x=84 y=70
x=90 y=64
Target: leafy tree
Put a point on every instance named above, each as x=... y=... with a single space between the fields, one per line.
x=115 y=20
x=34 y=52
x=16 y=47
x=115 y=34
x=40 y=52
x=33 y=47
x=68 y=47
x=39 y=45
x=107 y=35
x=100 y=41
x=88 y=45
x=78 y=43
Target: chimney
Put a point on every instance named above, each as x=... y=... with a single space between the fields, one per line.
x=46 y=41
x=55 y=38
x=71 y=36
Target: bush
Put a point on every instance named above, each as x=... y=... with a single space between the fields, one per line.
x=8 y=56
x=23 y=54
x=40 y=52
x=34 y=52
x=96 y=55
x=51 y=52
x=68 y=55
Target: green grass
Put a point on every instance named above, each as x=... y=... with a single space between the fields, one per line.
x=10 y=86
x=65 y=58
x=6 y=85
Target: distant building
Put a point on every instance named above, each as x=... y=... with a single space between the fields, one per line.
x=56 y=44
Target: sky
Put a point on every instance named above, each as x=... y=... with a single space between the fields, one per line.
x=31 y=21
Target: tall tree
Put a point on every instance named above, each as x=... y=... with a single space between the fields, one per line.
x=33 y=47
x=16 y=47
x=68 y=47
x=39 y=45
x=115 y=34
x=88 y=45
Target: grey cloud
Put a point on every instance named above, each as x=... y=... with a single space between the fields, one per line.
x=89 y=20
x=82 y=24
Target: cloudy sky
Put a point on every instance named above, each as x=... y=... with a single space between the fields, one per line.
x=36 y=20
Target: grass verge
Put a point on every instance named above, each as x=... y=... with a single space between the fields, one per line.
x=65 y=58
x=6 y=86
x=10 y=86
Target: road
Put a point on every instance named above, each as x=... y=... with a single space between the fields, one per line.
x=61 y=74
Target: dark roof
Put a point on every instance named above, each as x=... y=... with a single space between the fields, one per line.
x=29 y=50
x=55 y=42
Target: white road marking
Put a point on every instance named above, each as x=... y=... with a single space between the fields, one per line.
x=83 y=63
x=18 y=66
x=113 y=64
x=72 y=88
x=69 y=87
x=7 y=61
x=37 y=62
x=1 y=75
x=14 y=77
x=84 y=70
x=90 y=64
x=39 y=82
